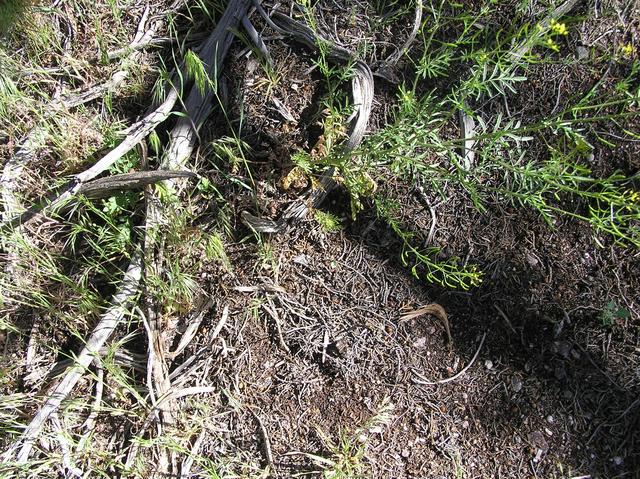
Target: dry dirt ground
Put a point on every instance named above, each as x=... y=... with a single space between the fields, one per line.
x=317 y=345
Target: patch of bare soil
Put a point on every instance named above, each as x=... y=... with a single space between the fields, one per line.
x=551 y=392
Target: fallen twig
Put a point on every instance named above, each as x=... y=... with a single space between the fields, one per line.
x=142 y=38
x=139 y=131
x=194 y=323
x=90 y=422
x=105 y=187
x=271 y=309
x=185 y=469
x=182 y=371
x=171 y=395
x=385 y=70
x=265 y=439
x=69 y=467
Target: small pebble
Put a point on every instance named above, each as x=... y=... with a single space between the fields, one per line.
x=420 y=343
x=582 y=53
x=406 y=453
x=465 y=425
x=488 y=364
x=516 y=384
x=537 y=439
x=617 y=461
x=550 y=419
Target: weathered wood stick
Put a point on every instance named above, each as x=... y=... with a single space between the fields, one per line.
x=128 y=289
x=105 y=187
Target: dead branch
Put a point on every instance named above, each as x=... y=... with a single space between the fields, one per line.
x=257 y=40
x=184 y=370
x=137 y=133
x=103 y=330
x=185 y=469
x=265 y=439
x=182 y=141
x=468 y=132
x=385 y=70
x=105 y=187
x=14 y=168
x=199 y=104
x=90 y=422
x=142 y=38
x=362 y=92
x=194 y=323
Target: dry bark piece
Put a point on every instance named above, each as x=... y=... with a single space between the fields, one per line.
x=468 y=131
x=434 y=309
x=105 y=187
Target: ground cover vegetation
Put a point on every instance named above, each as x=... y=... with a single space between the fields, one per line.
x=369 y=239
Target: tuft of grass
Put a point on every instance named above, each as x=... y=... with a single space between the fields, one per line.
x=347 y=458
x=10 y=11
x=612 y=312
x=327 y=221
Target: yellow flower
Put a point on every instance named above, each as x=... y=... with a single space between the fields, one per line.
x=626 y=50
x=558 y=28
x=552 y=45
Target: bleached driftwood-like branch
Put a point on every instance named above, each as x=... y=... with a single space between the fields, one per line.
x=138 y=132
x=128 y=289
